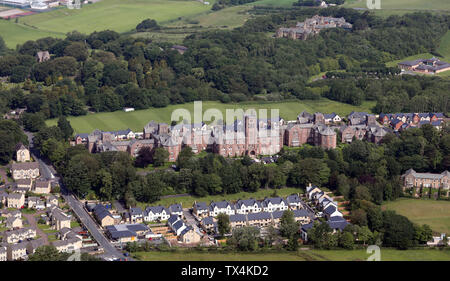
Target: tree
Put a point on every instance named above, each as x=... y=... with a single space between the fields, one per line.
x=423 y=233
x=78 y=50
x=183 y=158
x=33 y=122
x=144 y=158
x=364 y=234
x=288 y=226
x=223 y=224
x=398 y=230
x=245 y=238
x=47 y=253
x=359 y=217
x=65 y=127
x=160 y=156
x=346 y=240
x=309 y=170
x=321 y=236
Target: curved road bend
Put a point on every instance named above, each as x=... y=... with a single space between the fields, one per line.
x=77 y=207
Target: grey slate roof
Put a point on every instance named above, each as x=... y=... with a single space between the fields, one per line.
x=259 y=216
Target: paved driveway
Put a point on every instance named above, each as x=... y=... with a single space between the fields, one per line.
x=33 y=224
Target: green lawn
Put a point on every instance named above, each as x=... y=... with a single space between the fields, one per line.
x=301 y=255
x=136 y=120
x=188 y=201
x=14 y=34
x=422 y=211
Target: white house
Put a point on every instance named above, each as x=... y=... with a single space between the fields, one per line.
x=248 y=206
x=332 y=211
x=216 y=208
x=294 y=201
x=136 y=215
x=332 y=118
x=274 y=204
x=176 y=224
x=156 y=213
x=176 y=209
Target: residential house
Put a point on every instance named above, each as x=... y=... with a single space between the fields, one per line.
x=136 y=215
x=69 y=245
x=14 y=236
x=304 y=230
x=42 y=186
x=428 y=180
x=24 y=183
x=13 y=223
x=332 y=211
x=176 y=224
x=209 y=224
x=274 y=204
x=3 y=253
x=34 y=244
x=294 y=202
x=103 y=216
x=26 y=170
x=221 y=207
x=15 y=200
x=303 y=216
x=189 y=235
x=332 y=118
x=52 y=201
x=155 y=213
x=17 y=251
x=248 y=206
x=34 y=202
x=200 y=209
x=22 y=153
x=176 y=209
x=261 y=219
x=42 y=56
x=337 y=223
x=276 y=216
x=59 y=219
x=238 y=220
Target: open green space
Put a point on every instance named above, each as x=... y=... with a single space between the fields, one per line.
x=188 y=201
x=423 y=211
x=301 y=255
x=136 y=120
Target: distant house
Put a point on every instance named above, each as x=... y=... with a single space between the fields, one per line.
x=221 y=207
x=155 y=213
x=189 y=235
x=248 y=206
x=332 y=211
x=209 y=224
x=127 y=232
x=35 y=203
x=274 y=204
x=136 y=215
x=13 y=222
x=22 y=153
x=24 y=183
x=332 y=118
x=294 y=202
x=200 y=209
x=414 y=179
x=102 y=215
x=262 y=219
x=15 y=200
x=42 y=186
x=238 y=220
x=176 y=209
x=3 y=253
x=68 y=246
x=16 y=251
x=179 y=48
x=34 y=244
x=42 y=56
x=59 y=219
x=14 y=236
x=337 y=223
x=304 y=230
x=128 y=109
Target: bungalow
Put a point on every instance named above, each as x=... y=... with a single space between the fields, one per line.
x=136 y=215
x=176 y=209
x=189 y=235
x=15 y=200
x=216 y=208
x=274 y=204
x=102 y=215
x=16 y=251
x=3 y=253
x=156 y=213
x=14 y=236
x=248 y=206
x=42 y=186
x=200 y=209
x=259 y=219
x=294 y=202
x=238 y=220
x=25 y=170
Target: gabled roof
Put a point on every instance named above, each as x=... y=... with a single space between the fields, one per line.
x=172 y=219
x=220 y=204
x=155 y=210
x=274 y=201
x=330 y=209
x=201 y=206
x=259 y=216
x=293 y=198
x=136 y=211
x=248 y=203
x=209 y=220
x=175 y=208
x=101 y=212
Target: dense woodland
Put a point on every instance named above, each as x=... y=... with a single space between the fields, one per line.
x=105 y=71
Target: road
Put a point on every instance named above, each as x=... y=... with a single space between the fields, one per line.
x=48 y=172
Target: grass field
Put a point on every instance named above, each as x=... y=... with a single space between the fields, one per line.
x=14 y=34
x=188 y=201
x=404 y=5
x=422 y=211
x=301 y=255
x=136 y=120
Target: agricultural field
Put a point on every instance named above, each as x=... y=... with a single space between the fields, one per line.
x=136 y=120
x=301 y=255
x=188 y=200
x=422 y=211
